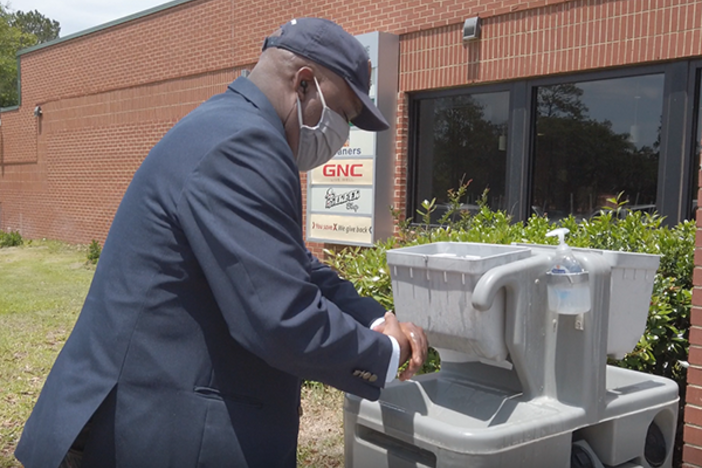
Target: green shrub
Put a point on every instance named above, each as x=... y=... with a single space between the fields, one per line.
x=10 y=239
x=662 y=349
x=664 y=344
x=94 y=251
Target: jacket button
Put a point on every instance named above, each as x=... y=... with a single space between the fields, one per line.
x=373 y=378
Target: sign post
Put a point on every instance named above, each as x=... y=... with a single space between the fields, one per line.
x=349 y=198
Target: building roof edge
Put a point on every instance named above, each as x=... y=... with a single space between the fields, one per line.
x=124 y=19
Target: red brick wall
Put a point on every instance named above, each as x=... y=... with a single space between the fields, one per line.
x=692 y=452
x=107 y=97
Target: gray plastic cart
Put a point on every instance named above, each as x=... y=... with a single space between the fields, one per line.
x=520 y=385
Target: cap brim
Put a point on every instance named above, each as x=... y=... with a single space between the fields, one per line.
x=370 y=117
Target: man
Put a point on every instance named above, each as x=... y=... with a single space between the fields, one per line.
x=206 y=309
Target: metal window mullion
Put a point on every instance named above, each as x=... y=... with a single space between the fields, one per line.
x=673 y=180
x=518 y=154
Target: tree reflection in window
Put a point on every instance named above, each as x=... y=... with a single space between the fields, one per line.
x=594 y=141
x=462 y=138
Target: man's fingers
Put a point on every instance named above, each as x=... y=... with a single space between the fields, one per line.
x=419 y=346
x=393 y=328
x=413 y=343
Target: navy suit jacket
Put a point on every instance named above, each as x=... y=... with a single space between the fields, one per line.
x=206 y=310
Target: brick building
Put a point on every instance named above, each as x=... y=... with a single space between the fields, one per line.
x=557 y=105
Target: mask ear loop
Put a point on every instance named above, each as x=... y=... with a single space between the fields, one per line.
x=299 y=111
x=320 y=91
x=299 y=105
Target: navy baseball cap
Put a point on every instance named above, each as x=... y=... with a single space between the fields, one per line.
x=326 y=43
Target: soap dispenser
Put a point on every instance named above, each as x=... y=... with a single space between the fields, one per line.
x=568 y=286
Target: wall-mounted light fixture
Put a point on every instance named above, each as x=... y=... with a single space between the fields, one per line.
x=634 y=129
x=37 y=111
x=471 y=29
x=502 y=143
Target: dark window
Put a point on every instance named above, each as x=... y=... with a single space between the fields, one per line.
x=563 y=145
x=461 y=138
x=594 y=140
x=697 y=147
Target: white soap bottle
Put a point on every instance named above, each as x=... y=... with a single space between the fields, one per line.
x=568 y=285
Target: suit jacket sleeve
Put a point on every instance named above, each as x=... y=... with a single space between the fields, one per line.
x=342 y=293
x=240 y=211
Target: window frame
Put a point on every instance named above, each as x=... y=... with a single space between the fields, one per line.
x=674 y=193
x=413 y=136
x=534 y=85
x=695 y=94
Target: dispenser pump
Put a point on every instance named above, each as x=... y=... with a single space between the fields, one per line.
x=564 y=261
x=568 y=287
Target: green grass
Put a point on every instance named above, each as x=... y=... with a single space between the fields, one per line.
x=42 y=288
x=321 y=438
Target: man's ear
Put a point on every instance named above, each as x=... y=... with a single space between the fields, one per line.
x=303 y=79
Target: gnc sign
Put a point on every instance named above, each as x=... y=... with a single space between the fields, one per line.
x=342 y=169
x=344 y=172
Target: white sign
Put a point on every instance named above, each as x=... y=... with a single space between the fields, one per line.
x=347 y=198
x=344 y=172
x=345 y=229
x=360 y=143
x=342 y=200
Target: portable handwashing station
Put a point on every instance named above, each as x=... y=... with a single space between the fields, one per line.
x=523 y=334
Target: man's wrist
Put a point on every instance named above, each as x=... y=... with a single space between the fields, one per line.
x=394 y=364
x=377 y=322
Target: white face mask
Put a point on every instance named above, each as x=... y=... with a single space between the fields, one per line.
x=320 y=143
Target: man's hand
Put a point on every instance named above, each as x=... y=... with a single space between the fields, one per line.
x=419 y=344
x=412 y=340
